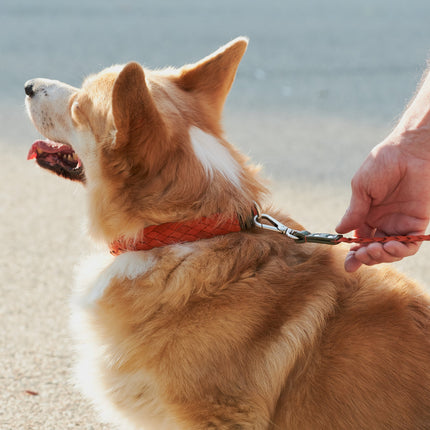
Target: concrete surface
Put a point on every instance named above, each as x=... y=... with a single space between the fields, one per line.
x=320 y=85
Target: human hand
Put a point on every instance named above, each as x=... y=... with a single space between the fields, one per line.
x=390 y=196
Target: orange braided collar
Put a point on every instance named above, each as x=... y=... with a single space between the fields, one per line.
x=156 y=236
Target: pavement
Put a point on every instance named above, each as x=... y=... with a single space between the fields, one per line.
x=320 y=85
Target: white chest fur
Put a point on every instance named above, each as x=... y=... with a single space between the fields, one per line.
x=96 y=272
x=132 y=395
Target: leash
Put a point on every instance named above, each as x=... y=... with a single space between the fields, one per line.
x=156 y=236
x=305 y=236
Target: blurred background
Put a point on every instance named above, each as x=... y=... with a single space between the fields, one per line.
x=311 y=66
x=322 y=82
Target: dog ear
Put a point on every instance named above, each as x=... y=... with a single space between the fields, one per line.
x=214 y=75
x=135 y=114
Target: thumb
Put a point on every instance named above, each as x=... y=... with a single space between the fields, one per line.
x=355 y=215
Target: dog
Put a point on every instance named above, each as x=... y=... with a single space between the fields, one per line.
x=200 y=319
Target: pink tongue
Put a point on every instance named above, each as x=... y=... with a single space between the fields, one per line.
x=48 y=146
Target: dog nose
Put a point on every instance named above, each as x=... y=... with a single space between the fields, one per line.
x=29 y=88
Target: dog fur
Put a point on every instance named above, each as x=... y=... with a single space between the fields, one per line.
x=243 y=331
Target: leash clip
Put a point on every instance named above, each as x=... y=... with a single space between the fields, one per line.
x=303 y=236
x=275 y=224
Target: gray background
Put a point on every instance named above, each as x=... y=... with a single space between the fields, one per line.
x=310 y=64
x=321 y=83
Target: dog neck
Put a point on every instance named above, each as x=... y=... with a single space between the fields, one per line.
x=156 y=236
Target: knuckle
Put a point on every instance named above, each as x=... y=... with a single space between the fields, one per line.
x=375 y=252
x=355 y=183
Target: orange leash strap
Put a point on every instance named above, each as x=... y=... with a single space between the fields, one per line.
x=405 y=239
x=328 y=238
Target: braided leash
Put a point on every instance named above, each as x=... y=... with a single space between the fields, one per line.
x=406 y=239
x=305 y=236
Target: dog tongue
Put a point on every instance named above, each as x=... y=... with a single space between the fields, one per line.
x=48 y=146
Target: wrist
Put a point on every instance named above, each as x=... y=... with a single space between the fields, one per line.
x=411 y=141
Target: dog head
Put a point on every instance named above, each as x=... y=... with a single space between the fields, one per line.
x=148 y=144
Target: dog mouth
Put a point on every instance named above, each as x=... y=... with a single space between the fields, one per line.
x=60 y=158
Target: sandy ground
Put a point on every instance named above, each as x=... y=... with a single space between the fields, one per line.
x=321 y=83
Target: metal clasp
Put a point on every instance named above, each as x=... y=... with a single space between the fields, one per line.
x=275 y=224
x=303 y=236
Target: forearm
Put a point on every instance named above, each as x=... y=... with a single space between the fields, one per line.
x=412 y=133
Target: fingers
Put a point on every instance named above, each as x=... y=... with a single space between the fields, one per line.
x=376 y=253
x=368 y=255
x=351 y=263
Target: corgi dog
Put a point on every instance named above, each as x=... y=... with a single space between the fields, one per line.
x=201 y=319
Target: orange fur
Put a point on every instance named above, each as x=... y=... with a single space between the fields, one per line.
x=243 y=331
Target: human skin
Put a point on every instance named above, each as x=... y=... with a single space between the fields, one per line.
x=391 y=189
